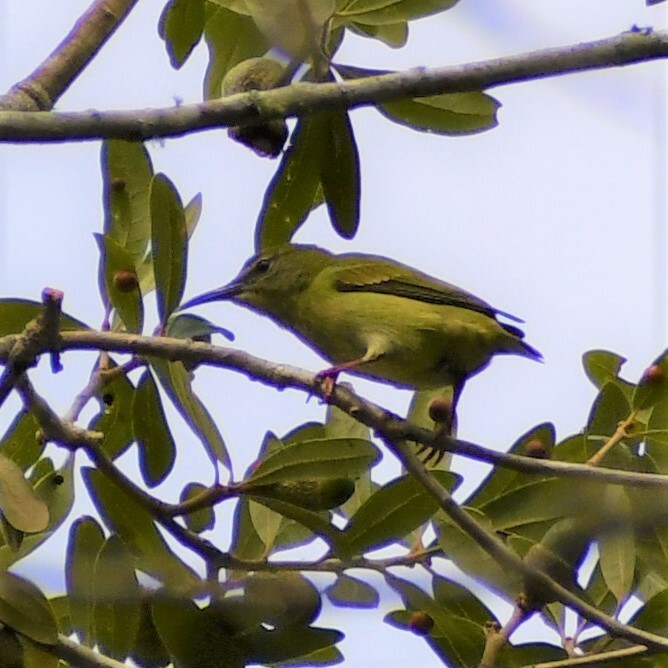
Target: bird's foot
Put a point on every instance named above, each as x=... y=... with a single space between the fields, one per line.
x=327 y=379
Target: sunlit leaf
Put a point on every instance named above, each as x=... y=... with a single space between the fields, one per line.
x=20 y=442
x=126 y=175
x=349 y=592
x=120 y=283
x=19 y=502
x=15 y=314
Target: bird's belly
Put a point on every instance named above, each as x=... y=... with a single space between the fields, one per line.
x=422 y=345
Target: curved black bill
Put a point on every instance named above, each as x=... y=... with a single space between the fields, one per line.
x=219 y=294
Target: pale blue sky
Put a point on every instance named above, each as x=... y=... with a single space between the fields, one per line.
x=557 y=216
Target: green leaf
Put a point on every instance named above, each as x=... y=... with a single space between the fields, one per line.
x=268 y=528
x=187 y=326
x=203 y=519
x=393 y=511
x=231 y=38
x=616 y=544
x=349 y=592
x=149 y=650
x=20 y=442
x=457 y=635
x=293 y=190
x=394 y=35
x=157 y=450
x=340 y=174
x=316 y=459
x=115 y=417
x=450 y=114
x=169 y=244
x=652 y=390
x=181 y=25
x=126 y=174
x=15 y=314
x=19 y=503
x=56 y=490
x=193 y=638
x=117 y=599
x=175 y=380
x=395 y=12
x=653 y=616
x=279 y=646
x=447 y=114
x=25 y=609
x=117 y=262
x=602 y=366
x=656 y=440
x=609 y=408
x=85 y=542
x=135 y=525
x=36 y=656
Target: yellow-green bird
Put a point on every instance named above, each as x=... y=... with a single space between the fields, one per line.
x=374 y=317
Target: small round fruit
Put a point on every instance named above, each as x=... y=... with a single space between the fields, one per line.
x=440 y=410
x=537 y=449
x=253 y=74
x=117 y=184
x=653 y=375
x=125 y=281
x=420 y=623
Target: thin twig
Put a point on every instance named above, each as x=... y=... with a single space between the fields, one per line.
x=41 y=89
x=79 y=656
x=613 y=656
x=620 y=434
x=497 y=638
x=300 y=99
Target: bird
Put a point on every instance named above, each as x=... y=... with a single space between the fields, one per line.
x=374 y=317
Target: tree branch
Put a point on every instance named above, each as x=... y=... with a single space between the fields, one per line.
x=80 y=656
x=41 y=89
x=588 y=660
x=285 y=376
x=507 y=558
x=306 y=98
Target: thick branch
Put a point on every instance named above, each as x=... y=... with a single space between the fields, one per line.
x=80 y=656
x=305 y=98
x=382 y=422
x=41 y=89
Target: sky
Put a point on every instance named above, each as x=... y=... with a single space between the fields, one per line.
x=557 y=215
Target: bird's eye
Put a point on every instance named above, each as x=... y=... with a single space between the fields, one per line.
x=262 y=266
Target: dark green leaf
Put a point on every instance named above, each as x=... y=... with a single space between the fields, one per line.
x=231 y=38
x=200 y=520
x=656 y=440
x=316 y=459
x=15 y=314
x=169 y=244
x=126 y=173
x=395 y=35
x=327 y=656
x=117 y=599
x=175 y=380
x=293 y=190
x=149 y=650
x=85 y=542
x=193 y=638
x=278 y=646
x=187 y=326
x=157 y=450
x=115 y=417
x=135 y=525
x=20 y=442
x=349 y=592
x=181 y=25
x=19 y=503
x=117 y=262
x=25 y=609
x=653 y=616
x=653 y=388
x=36 y=656
x=340 y=174
x=393 y=511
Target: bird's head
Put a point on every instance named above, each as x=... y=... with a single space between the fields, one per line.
x=271 y=281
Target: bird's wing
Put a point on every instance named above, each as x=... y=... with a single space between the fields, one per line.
x=387 y=278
